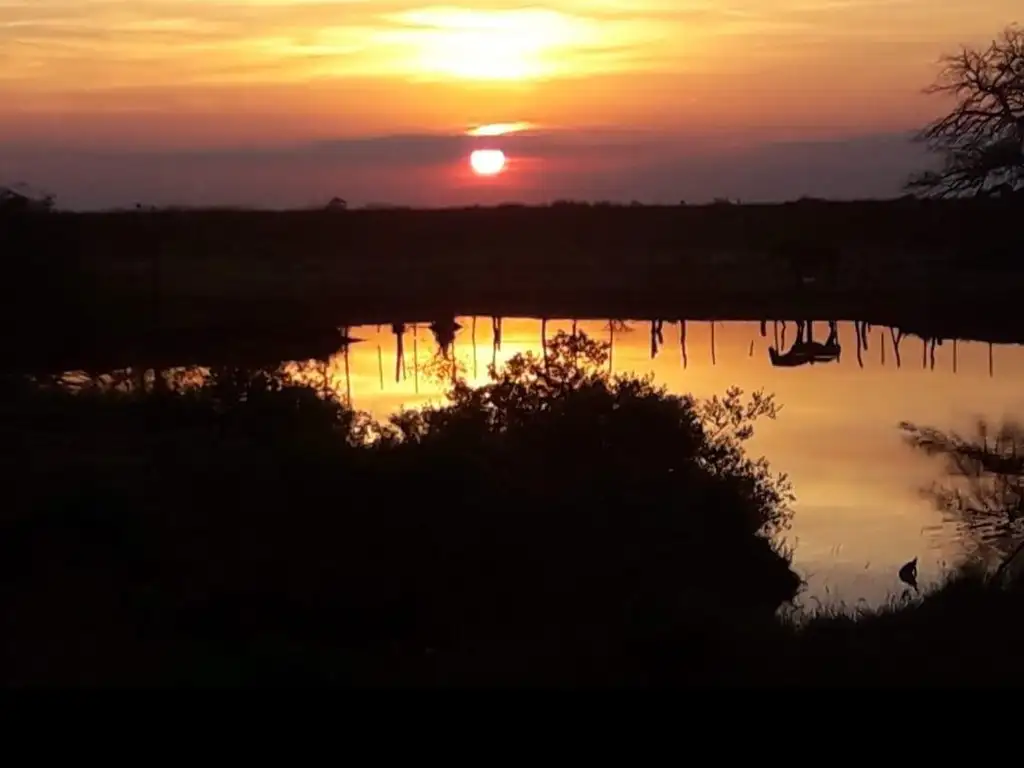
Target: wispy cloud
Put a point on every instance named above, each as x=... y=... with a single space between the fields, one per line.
x=60 y=44
x=51 y=43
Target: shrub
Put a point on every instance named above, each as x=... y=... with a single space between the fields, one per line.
x=556 y=524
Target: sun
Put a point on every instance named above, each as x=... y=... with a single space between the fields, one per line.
x=487 y=162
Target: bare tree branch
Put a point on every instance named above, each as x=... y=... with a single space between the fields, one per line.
x=981 y=140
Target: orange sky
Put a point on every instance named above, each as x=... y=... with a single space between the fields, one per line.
x=354 y=67
x=107 y=76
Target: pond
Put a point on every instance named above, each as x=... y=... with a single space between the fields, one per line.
x=860 y=512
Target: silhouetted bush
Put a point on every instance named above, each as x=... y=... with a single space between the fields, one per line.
x=556 y=526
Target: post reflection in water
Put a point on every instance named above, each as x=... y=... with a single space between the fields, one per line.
x=398 y=329
x=857 y=484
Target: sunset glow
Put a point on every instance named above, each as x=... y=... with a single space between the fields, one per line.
x=493 y=45
x=487 y=162
x=292 y=77
x=96 y=57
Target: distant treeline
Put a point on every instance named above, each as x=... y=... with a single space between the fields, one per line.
x=597 y=231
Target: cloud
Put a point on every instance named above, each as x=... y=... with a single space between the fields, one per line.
x=57 y=42
x=195 y=73
x=103 y=44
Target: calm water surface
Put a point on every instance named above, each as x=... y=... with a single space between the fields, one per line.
x=859 y=511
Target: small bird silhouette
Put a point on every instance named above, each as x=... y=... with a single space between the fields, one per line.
x=908 y=573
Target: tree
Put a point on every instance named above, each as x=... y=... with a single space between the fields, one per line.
x=608 y=488
x=981 y=139
x=19 y=198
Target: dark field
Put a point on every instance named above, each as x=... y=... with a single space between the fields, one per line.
x=90 y=286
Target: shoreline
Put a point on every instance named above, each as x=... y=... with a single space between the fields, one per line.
x=263 y=335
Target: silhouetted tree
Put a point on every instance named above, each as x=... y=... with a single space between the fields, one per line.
x=20 y=199
x=982 y=139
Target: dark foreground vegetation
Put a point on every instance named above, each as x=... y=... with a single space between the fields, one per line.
x=554 y=527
